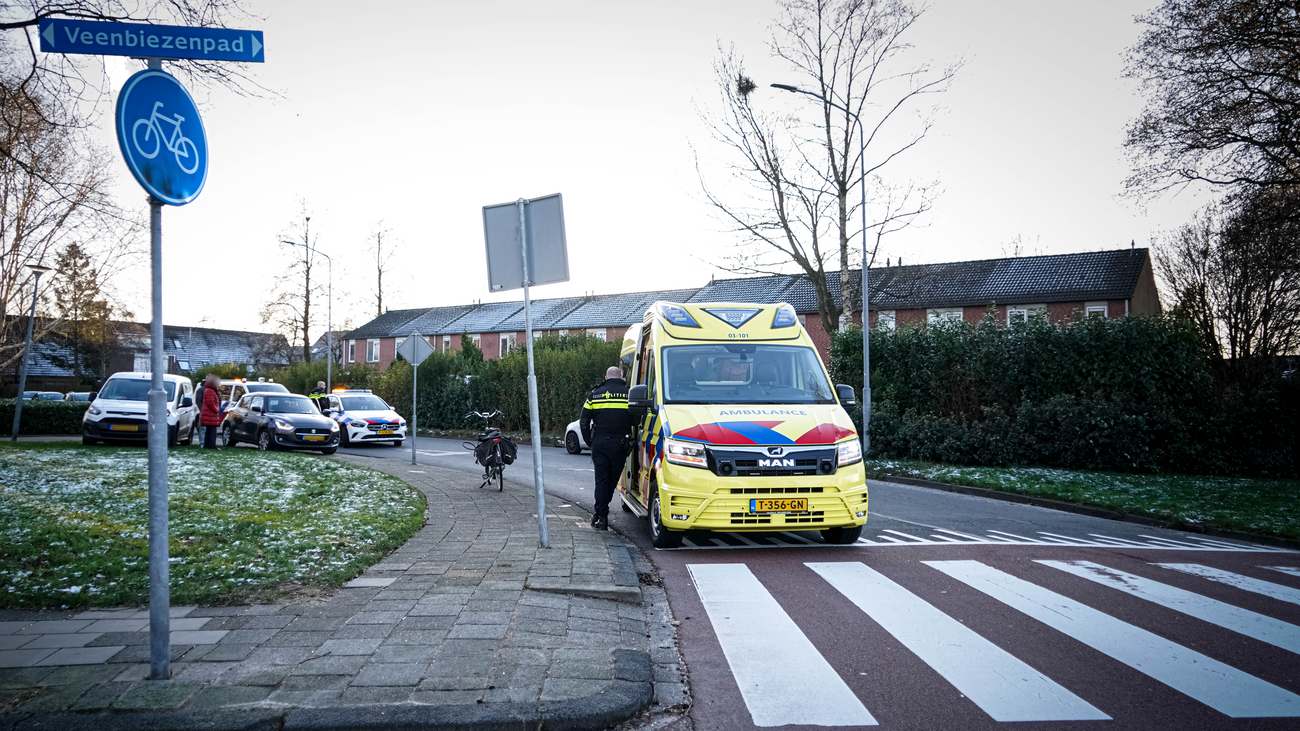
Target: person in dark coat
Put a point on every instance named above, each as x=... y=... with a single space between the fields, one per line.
x=607 y=426
x=210 y=411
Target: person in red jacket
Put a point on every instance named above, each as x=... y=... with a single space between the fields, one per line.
x=210 y=411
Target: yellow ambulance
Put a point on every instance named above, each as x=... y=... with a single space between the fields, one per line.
x=738 y=427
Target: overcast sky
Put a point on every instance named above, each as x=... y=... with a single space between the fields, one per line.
x=416 y=114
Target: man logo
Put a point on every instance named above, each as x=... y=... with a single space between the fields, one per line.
x=776 y=463
x=775 y=451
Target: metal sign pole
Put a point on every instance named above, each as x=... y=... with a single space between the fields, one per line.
x=415 y=404
x=159 y=571
x=533 y=419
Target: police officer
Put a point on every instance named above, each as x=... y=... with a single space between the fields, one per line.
x=607 y=426
x=317 y=394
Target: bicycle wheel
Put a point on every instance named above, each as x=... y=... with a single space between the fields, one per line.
x=501 y=478
x=187 y=155
x=148 y=151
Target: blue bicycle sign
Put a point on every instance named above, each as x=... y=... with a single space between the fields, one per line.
x=148 y=136
x=156 y=114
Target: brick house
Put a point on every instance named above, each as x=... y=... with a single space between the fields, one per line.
x=1057 y=287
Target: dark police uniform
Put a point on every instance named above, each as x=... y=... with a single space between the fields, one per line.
x=607 y=426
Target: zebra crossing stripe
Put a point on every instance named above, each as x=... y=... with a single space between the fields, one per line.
x=1288 y=570
x=1216 y=684
x=1242 y=621
x=1000 y=684
x=1246 y=583
x=782 y=677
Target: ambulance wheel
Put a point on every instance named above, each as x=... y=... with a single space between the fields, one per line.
x=842 y=536
x=660 y=536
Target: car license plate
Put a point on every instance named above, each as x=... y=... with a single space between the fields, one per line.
x=313 y=437
x=778 y=505
x=385 y=432
x=123 y=427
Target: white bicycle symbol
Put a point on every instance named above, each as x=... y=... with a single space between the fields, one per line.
x=149 y=143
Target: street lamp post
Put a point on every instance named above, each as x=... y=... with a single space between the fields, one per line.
x=37 y=271
x=329 y=302
x=866 y=320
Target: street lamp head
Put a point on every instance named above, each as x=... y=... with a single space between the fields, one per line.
x=788 y=87
x=39 y=269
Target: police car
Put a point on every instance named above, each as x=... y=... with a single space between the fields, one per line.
x=364 y=417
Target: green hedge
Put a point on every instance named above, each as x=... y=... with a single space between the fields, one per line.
x=43 y=417
x=453 y=384
x=1131 y=394
x=302 y=377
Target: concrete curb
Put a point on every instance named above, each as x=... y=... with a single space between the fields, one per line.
x=627 y=694
x=1090 y=510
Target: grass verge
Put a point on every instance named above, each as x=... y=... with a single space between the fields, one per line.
x=245 y=525
x=1260 y=506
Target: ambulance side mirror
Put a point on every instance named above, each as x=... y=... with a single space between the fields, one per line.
x=847 y=396
x=638 y=399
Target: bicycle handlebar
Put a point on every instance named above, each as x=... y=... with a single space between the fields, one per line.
x=483 y=415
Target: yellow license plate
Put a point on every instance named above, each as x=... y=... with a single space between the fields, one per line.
x=313 y=437
x=385 y=432
x=778 y=505
x=123 y=427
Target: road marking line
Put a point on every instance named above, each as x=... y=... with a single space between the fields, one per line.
x=781 y=675
x=1216 y=684
x=797 y=537
x=1239 y=581
x=744 y=539
x=945 y=539
x=1289 y=570
x=1015 y=536
x=461 y=453
x=1069 y=539
x=959 y=533
x=1002 y=685
x=1242 y=621
x=1168 y=542
x=905 y=536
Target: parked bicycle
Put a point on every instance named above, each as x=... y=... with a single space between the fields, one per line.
x=493 y=450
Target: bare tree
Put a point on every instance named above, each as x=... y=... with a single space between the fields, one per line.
x=290 y=307
x=799 y=176
x=1222 y=83
x=382 y=254
x=1232 y=272
x=54 y=193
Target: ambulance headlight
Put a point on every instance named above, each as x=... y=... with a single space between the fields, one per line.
x=677 y=315
x=690 y=454
x=849 y=452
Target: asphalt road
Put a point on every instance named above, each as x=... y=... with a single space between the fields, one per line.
x=962 y=612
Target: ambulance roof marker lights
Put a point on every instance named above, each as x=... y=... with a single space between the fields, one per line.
x=677 y=315
x=784 y=317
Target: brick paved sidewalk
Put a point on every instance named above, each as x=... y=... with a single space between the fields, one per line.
x=451 y=629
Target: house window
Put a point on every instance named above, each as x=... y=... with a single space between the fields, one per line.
x=1020 y=314
x=352 y=351
x=564 y=333
x=886 y=320
x=372 y=351
x=1095 y=309
x=476 y=340
x=597 y=333
x=446 y=343
x=940 y=315
x=507 y=342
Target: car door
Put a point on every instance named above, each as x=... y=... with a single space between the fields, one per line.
x=185 y=415
x=253 y=416
x=641 y=458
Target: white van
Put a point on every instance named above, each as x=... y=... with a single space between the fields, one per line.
x=119 y=410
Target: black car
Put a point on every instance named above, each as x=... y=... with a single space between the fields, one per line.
x=280 y=421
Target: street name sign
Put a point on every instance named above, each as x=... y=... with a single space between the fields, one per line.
x=415 y=349
x=162 y=137
x=546 y=249
x=144 y=40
